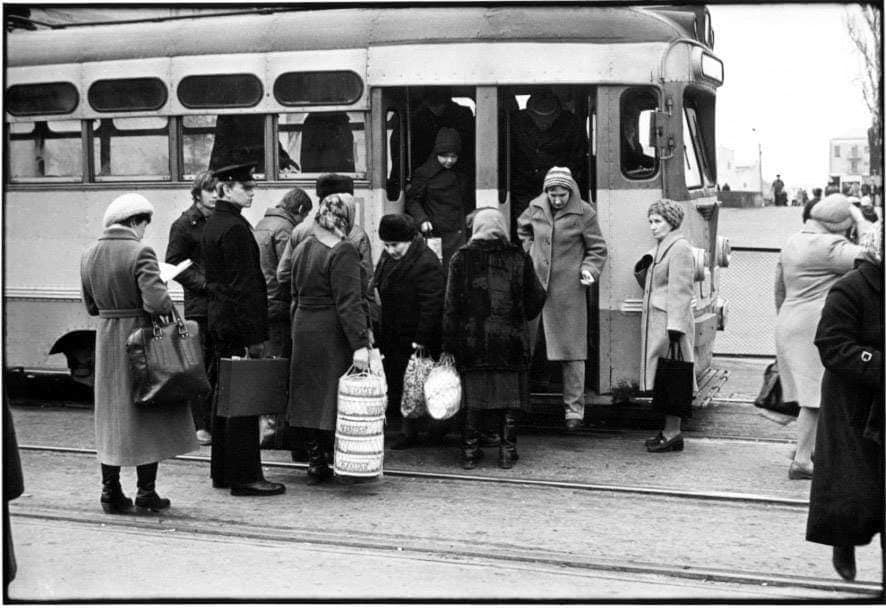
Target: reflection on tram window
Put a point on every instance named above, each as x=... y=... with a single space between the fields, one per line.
x=136 y=148
x=44 y=150
x=198 y=135
x=692 y=169
x=637 y=144
x=324 y=142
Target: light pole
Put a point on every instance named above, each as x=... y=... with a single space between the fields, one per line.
x=759 y=161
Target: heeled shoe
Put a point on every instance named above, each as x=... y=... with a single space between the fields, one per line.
x=150 y=501
x=844 y=561
x=116 y=504
x=660 y=444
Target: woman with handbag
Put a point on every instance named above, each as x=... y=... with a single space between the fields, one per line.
x=846 y=499
x=491 y=295
x=810 y=263
x=667 y=323
x=121 y=285
x=330 y=328
x=410 y=283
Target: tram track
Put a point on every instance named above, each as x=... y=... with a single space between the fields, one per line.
x=451 y=550
x=690 y=494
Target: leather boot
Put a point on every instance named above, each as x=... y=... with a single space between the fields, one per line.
x=470 y=439
x=113 y=500
x=507 y=454
x=146 y=499
x=318 y=464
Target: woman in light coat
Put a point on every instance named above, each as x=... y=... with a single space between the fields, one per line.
x=810 y=263
x=666 y=274
x=121 y=284
x=561 y=233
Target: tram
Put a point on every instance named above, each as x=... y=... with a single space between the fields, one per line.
x=93 y=111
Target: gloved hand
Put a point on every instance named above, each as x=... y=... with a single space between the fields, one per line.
x=674 y=335
x=426 y=227
x=255 y=351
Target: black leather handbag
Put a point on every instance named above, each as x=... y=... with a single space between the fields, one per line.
x=770 y=397
x=166 y=361
x=672 y=391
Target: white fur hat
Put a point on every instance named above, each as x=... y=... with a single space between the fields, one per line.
x=125 y=206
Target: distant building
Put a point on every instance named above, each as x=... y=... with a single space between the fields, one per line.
x=741 y=175
x=850 y=156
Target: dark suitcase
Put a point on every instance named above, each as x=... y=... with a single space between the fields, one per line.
x=251 y=387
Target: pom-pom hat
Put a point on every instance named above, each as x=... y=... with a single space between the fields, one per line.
x=125 y=206
x=397 y=227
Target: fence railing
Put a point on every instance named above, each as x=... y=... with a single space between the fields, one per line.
x=748 y=285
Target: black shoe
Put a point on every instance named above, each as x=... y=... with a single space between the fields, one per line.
x=150 y=501
x=573 y=425
x=221 y=485
x=319 y=475
x=115 y=502
x=258 y=488
x=844 y=561
x=660 y=444
x=507 y=461
x=470 y=461
x=490 y=440
x=404 y=442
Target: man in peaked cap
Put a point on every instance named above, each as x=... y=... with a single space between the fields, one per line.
x=238 y=325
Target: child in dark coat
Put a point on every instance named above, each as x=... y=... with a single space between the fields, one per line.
x=491 y=295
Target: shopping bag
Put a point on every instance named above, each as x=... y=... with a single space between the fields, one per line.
x=412 y=402
x=166 y=361
x=359 y=427
x=770 y=397
x=672 y=388
x=443 y=389
x=251 y=387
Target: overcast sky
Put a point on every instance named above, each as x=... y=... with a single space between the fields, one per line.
x=793 y=74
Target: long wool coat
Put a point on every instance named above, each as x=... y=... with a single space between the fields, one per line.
x=667 y=304
x=330 y=321
x=846 y=501
x=491 y=295
x=120 y=281
x=561 y=247
x=810 y=263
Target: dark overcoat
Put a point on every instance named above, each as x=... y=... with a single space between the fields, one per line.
x=121 y=284
x=330 y=321
x=491 y=294
x=238 y=296
x=185 y=243
x=846 y=501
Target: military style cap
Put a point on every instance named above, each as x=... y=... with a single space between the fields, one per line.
x=235 y=173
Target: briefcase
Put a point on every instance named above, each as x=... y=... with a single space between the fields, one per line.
x=251 y=387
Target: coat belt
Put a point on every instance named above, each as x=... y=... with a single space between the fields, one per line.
x=120 y=313
x=308 y=302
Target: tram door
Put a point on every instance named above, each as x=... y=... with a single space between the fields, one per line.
x=540 y=127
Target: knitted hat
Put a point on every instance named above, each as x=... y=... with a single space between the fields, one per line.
x=671 y=212
x=333 y=183
x=334 y=215
x=125 y=206
x=296 y=201
x=559 y=176
x=833 y=213
x=397 y=227
x=448 y=141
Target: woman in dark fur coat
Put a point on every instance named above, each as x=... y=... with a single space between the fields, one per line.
x=410 y=283
x=846 y=501
x=491 y=294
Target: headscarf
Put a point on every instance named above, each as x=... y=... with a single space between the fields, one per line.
x=335 y=215
x=489 y=224
x=872 y=243
x=671 y=212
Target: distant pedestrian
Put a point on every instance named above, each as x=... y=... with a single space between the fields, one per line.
x=810 y=263
x=847 y=497
x=561 y=233
x=491 y=294
x=667 y=319
x=185 y=236
x=121 y=284
x=779 y=196
x=411 y=285
x=807 y=208
x=330 y=329
x=238 y=323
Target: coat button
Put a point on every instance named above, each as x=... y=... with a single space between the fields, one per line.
x=866 y=356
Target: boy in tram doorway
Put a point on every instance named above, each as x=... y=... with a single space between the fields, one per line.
x=439 y=197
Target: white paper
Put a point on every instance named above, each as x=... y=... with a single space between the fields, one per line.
x=170 y=271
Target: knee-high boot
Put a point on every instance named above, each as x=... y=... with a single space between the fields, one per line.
x=507 y=454
x=316 y=445
x=470 y=438
x=113 y=500
x=147 y=499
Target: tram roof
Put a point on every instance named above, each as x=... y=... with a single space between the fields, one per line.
x=300 y=30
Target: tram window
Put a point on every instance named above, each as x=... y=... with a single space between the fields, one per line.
x=307 y=88
x=127 y=94
x=42 y=98
x=323 y=142
x=136 y=148
x=690 y=157
x=393 y=169
x=698 y=116
x=45 y=150
x=220 y=91
x=198 y=135
x=637 y=148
